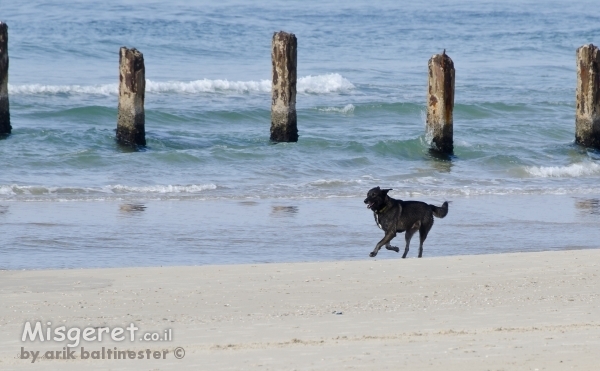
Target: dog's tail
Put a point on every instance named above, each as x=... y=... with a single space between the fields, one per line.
x=440 y=212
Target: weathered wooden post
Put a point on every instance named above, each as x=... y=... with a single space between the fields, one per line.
x=440 y=104
x=5 y=127
x=284 y=127
x=132 y=87
x=587 y=116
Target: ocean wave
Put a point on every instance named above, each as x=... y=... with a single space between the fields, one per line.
x=572 y=171
x=18 y=190
x=318 y=189
x=320 y=84
x=208 y=86
x=38 y=89
x=347 y=109
x=447 y=193
x=337 y=182
x=192 y=188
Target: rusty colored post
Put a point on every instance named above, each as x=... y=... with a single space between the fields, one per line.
x=5 y=127
x=132 y=87
x=284 y=127
x=440 y=103
x=587 y=115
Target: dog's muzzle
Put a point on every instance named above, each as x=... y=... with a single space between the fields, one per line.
x=369 y=203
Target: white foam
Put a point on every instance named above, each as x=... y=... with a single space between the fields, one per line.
x=193 y=188
x=347 y=109
x=499 y=191
x=6 y=190
x=208 y=86
x=318 y=189
x=37 y=89
x=573 y=170
x=13 y=190
x=335 y=182
x=320 y=84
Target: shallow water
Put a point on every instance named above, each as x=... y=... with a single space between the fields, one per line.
x=158 y=233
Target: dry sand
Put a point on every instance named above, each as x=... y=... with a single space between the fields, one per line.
x=526 y=311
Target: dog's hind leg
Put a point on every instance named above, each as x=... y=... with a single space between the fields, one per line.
x=422 y=237
x=393 y=248
x=408 y=235
x=425 y=228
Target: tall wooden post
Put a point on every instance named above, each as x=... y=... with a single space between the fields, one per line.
x=440 y=103
x=284 y=126
x=587 y=116
x=132 y=86
x=5 y=127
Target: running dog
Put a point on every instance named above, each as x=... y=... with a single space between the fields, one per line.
x=394 y=216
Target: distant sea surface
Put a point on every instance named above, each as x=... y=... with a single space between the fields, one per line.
x=362 y=82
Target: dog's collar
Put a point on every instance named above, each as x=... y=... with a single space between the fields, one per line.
x=382 y=210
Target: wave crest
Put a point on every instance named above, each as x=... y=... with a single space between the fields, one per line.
x=573 y=170
x=347 y=109
x=320 y=84
x=118 y=189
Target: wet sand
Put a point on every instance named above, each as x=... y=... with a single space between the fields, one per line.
x=534 y=310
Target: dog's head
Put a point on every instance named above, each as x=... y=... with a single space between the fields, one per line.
x=376 y=198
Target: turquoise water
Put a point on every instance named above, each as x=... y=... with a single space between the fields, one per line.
x=362 y=70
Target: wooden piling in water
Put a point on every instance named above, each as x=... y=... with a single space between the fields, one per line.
x=587 y=116
x=132 y=86
x=5 y=127
x=440 y=102
x=284 y=127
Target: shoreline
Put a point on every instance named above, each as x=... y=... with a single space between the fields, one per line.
x=393 y=257
x=196 y=233
x=468 y=312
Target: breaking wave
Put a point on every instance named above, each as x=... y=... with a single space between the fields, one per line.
x=347 y=109
x=118 y=189
x=320 y=84
x=572 y=171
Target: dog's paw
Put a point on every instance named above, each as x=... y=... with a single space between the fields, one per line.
x=372 y=254
x=396 y=249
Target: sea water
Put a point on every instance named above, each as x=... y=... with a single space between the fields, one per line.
x=67 y=189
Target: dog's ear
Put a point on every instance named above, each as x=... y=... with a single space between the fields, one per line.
x=385 y=191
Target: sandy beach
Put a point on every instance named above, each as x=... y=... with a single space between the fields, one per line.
x=525 y=311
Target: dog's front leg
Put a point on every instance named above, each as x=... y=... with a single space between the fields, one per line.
x=386 y=239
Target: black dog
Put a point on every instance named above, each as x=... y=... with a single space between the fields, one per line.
x=394 y=216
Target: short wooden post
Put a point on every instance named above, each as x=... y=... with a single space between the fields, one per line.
x=284 y=127
x=440 y=104
x=587 y=116
x=132 y=87
x=5 y=127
